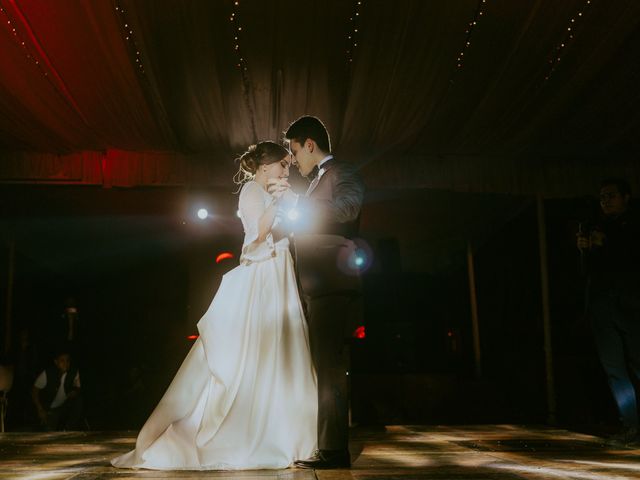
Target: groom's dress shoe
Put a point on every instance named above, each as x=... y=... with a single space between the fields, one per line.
x=326 y=459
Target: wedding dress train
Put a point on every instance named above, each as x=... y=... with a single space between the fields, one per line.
x=245 y=396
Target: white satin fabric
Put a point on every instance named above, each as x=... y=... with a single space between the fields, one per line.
x=245 y=396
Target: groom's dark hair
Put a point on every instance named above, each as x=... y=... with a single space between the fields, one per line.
x=309 y=127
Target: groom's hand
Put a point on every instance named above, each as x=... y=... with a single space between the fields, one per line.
x=276 y=186
x=281 y=190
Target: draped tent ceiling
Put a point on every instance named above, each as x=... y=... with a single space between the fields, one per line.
x=149 y=92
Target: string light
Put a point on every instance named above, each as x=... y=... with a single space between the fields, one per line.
x=129 y=37
x=352 y=37
x=241 y=63
x=556 y=53
x=469 y=31
x=45 y=66
x=235 y=19
x=20 y=41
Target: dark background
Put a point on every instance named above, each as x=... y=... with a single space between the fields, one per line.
x=142 y=270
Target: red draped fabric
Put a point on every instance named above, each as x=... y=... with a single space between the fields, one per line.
x=113 y=168
x=82 y=168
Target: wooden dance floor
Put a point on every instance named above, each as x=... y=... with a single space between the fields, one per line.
x=497 y=452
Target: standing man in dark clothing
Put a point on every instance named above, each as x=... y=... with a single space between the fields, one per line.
x=328 y=220
x=611 y=250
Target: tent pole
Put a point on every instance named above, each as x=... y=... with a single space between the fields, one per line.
x=9 y=304
x=474 y=312
x=544 y=280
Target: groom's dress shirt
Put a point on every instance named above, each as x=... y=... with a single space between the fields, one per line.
x=317 y=170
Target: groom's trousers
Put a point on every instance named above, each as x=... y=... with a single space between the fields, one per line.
x=327 y=318
x=331 y=288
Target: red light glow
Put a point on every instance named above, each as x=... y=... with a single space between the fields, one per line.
x=223 y=256
x=359 y=332
x=192 y=337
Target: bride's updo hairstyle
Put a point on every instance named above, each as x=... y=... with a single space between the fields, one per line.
x=262 y=153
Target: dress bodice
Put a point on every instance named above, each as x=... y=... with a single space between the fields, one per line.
x=254 y=200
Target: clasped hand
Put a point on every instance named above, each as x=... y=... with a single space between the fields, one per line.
x=281 y=190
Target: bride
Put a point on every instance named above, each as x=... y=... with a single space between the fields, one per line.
x=245 y=396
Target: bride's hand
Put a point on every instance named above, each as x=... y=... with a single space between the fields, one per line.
x=281 y=190
x=277 y=186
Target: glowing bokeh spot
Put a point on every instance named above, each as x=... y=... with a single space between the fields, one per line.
x=359 y=332
x=224 y=256
x=293 y=214
x=203 y=213
x=192 y=337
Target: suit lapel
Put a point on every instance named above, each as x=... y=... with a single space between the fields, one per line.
x=314 y=184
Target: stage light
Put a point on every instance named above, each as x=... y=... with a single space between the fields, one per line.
x=359 y=333
x=223 y=256
x=293 y=214
x=192 y=337
x=203 y=213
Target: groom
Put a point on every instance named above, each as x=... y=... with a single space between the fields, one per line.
x=328 y=218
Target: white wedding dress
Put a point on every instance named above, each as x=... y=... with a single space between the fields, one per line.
x=245 y=396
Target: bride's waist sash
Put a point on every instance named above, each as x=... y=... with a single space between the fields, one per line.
x=262 y=255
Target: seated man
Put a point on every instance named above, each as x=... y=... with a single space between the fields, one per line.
x=56 y=394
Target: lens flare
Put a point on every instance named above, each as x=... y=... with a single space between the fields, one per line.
x=224 y=256
x=293 y=214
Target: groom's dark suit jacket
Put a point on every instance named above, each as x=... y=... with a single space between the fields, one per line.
x=329 y=217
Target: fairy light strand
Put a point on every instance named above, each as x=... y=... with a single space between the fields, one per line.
x=352 y=36
x=569 y=33
x=241 y=62
x=21 y=41
x=130 y=38
x=46 y=66
x=479 y=13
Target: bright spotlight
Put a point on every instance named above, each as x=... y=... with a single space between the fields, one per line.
x=359 y=260
x=203 y=213
x=293 y=214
